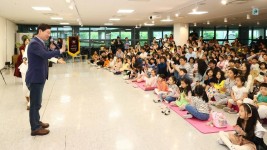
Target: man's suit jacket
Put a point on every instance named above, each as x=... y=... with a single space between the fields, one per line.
x=38 y=56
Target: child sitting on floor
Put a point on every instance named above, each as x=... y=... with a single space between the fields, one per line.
x=117 y=66
x=185 y=95
x=162 y=86
x=239 y=92
x=217 y=86
x=140 y=75
x=198 y=107
x=171 y=94
x=248 y=131
x=260 y=101
x=152 y=81
x=222 y=98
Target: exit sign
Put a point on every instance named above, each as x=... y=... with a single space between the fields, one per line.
x=255 y=11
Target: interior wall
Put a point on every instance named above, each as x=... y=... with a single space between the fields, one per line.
x=8 y=30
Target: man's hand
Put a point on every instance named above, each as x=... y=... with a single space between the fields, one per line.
x=63 y=49
x=61 y=61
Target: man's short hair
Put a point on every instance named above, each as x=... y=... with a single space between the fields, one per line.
x=43 y=27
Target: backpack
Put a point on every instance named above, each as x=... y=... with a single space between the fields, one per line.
x=218 y=119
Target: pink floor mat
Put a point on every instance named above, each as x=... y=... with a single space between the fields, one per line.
x=200 y=125
x=142 y=86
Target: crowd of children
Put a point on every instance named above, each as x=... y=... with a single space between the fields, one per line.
x=199 y=74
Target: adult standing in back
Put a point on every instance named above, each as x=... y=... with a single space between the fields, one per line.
x=37 y=74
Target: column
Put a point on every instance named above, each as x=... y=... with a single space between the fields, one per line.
x=180 y=33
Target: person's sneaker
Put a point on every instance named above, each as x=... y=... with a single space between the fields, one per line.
x=231 y=111
x=44 y=125
x=156 y=100
x=167 y=111
x=226 y=109
x=220 y=142
x=187 y=116
x=40 y=131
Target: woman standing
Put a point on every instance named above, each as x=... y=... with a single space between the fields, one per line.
x=17 y=73
x=23 y=69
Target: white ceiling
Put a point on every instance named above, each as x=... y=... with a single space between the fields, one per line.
x=98 y=12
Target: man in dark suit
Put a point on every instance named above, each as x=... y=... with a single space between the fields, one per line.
x=37 y=74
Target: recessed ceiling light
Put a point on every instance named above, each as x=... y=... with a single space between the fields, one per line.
x=208 y=22
x=125 y=11
x=108 y=24
x=68 y=1
x=56 y=18
x=177 y=15
x=195 y=24
x=166 y=20
x=197 y=12
x=149 y=24
x=42 y=8
x=240 y=25
x=64 y=23
x=258 y=23
x=225 y=20
x=114 y=19
x=224 y=2
x=248 y=16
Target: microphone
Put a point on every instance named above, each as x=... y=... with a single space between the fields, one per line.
x=52 y=41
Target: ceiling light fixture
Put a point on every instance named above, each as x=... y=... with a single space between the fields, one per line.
x=248 y=16
x=195 y=24
x=108 y=24
x=71 y=6
x=240 y=25
x=224 y=2
x=42 y=8
x=68 y=1
x=208 y=22
x=177 y=15
x=114 y=19
x=168 y=19
x=64 y=23
x=198 y=12
x=56 y=18
x=225 y=20
x=125 y=11
x=258 y=23
x=149 y=24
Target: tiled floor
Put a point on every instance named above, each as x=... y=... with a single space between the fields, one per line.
x=92 y=109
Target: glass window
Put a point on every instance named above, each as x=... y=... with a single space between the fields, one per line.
x=84 y=43
x=64 y=35
x=54 y=35
x=114 y=35
x=250 y=34
x=65 y=28
x=157 y=34
x=84 y=35
x=93 y=35
x=257 y=33
x=54 y=29
x=221 y=34
x=143 y=35
x=167 y=32
x=208 y=34
x=232 y=34
x=126 y=34
x=102 y=35
x=84 y=29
